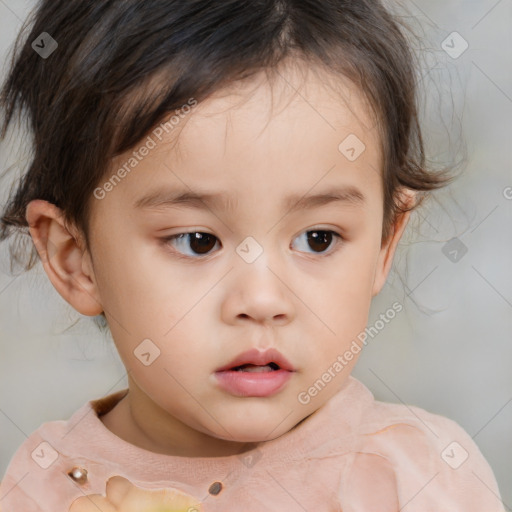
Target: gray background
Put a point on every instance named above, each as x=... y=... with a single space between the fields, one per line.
x=449 y=351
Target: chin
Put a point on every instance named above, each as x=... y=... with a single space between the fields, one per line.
x=253 y=433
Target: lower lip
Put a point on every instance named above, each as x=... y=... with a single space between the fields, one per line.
x=253 y=383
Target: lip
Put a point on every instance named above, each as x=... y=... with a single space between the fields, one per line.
x=260 y=384
x=253 y=384
x=256 y=357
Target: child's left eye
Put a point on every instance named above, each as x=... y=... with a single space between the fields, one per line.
x=202 y=243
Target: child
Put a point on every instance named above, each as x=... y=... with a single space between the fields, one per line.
x=263 y=128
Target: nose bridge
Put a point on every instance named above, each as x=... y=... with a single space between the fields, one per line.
x=255 y=251
x=257 y=282
x=262 y=256
x=255 y=261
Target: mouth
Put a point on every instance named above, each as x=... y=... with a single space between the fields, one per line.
x=256 y=380
x=256 y=361
x=254 y=368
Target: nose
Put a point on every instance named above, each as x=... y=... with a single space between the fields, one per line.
x=258 y=292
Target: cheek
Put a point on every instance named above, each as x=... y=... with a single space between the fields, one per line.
x=140 y=277
x=344 y=304
x=147 y=298
x=350 y=283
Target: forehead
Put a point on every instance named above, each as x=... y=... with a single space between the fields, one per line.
x=295 y=133
x=293 y=102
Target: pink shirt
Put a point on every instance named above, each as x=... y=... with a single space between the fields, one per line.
x=354 y=454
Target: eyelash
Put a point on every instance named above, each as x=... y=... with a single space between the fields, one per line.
x=333 y=247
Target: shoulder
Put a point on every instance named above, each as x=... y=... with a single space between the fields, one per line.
x=430 y=459
x=39 y=471
x=35 y=464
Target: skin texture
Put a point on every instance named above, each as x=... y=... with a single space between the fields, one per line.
x=258 y=146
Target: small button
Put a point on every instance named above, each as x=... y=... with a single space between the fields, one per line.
x=78 y=474
x=215 y=488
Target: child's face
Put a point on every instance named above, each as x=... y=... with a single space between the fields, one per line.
x=203 y=302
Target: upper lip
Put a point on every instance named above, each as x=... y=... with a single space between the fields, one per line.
x=257 y=357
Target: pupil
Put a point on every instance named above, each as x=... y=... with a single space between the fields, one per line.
x=202 y=243
x=320 y=237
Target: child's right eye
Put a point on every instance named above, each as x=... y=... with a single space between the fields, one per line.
x=201 y=243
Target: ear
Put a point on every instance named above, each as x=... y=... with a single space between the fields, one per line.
x=388 y=246
x=67 y=264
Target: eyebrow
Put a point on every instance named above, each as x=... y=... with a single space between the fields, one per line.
x=163 y=198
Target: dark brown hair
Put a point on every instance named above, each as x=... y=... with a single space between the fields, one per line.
x=122 y=66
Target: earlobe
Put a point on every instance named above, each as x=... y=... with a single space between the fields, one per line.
x=388 y=248
x=65 y=262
